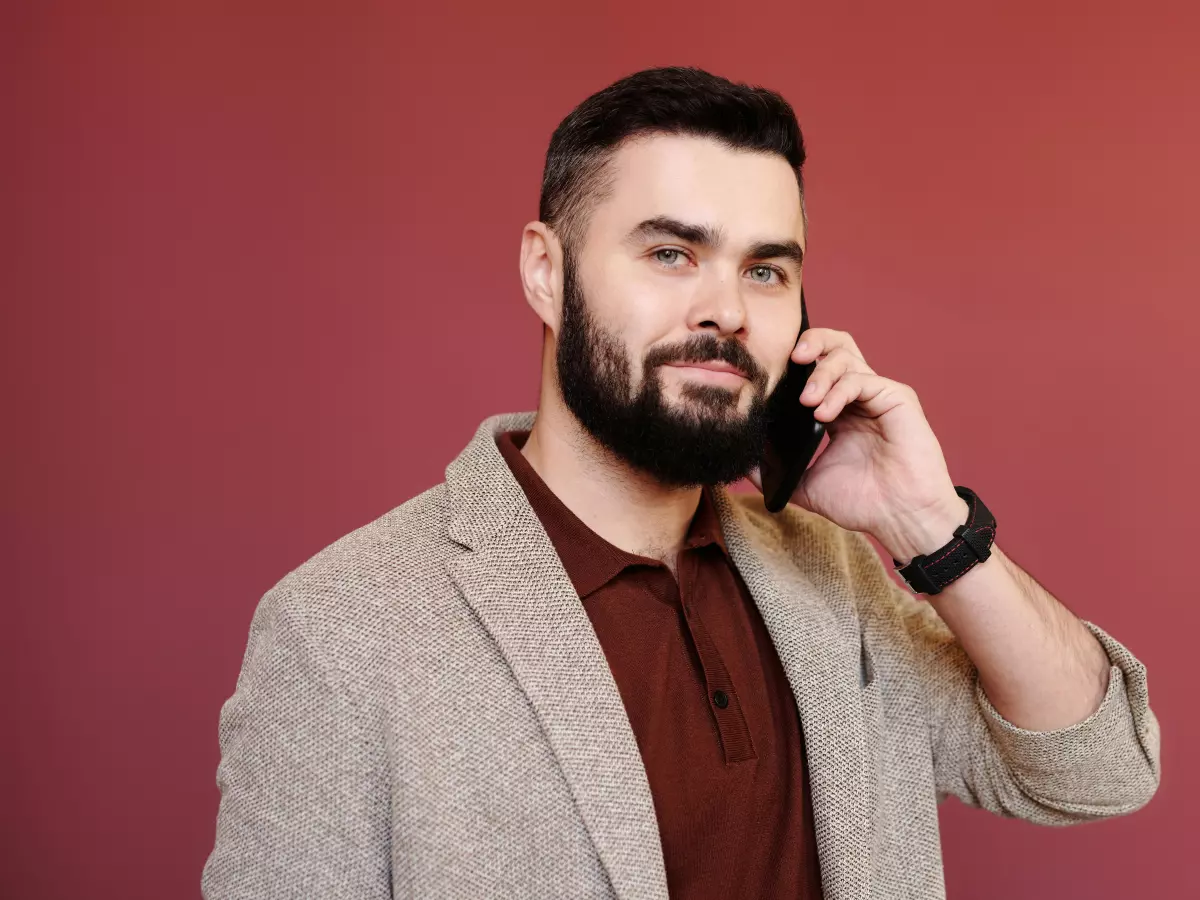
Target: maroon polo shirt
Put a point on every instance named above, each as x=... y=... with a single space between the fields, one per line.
x=706 y=694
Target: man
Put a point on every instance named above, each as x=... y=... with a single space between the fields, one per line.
x=581 y=667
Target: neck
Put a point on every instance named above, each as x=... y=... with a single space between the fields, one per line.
x=623 y=505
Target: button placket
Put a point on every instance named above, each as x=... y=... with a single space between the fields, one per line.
x=722 y=697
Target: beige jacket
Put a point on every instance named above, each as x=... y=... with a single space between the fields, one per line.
x=424 y=711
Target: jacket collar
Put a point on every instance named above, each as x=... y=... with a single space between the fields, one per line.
x=484 y=495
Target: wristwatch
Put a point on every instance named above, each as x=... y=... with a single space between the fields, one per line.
x=971 y=544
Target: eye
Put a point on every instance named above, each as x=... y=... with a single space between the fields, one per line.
x=767 y=275
x=668 y=256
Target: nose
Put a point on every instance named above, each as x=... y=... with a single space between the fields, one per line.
x=719 y=305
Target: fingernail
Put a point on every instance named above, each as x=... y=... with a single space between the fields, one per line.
x=802 y=346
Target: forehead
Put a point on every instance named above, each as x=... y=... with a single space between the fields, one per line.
x=750 y=196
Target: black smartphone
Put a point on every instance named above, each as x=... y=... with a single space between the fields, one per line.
x=793 y=432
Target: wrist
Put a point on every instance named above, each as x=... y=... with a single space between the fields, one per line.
x=921 y=533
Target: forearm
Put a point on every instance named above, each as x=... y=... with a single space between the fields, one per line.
x=1039 y=666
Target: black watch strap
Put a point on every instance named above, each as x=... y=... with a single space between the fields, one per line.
x=971 y=544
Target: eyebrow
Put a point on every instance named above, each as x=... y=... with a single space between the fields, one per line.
x=789 y=250
x=709 y=237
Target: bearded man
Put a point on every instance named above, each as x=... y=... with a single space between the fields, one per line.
x=583 y=667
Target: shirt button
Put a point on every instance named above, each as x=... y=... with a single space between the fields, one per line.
x=721 y=699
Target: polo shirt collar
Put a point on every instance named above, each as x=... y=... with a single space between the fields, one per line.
x=591 y=561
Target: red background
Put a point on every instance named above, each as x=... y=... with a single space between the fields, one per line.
x=259 y=286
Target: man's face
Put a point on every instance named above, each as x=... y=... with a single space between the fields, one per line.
x=681 y=305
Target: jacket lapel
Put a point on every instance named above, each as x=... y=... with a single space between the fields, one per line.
x=817 y=637
x=516 y=584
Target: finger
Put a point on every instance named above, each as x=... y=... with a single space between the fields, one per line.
x=755 y=478
x=871 y=394
x=817 y=342
x=827 y=373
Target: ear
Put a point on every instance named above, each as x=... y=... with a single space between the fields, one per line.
x=541 y=273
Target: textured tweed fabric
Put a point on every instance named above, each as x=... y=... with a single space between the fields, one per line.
x=424 y=711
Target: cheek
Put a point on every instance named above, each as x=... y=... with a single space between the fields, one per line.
x=639 y=309
x=778 y=335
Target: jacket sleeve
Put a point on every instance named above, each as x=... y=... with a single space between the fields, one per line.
x=304 y=808
x=1106 y=765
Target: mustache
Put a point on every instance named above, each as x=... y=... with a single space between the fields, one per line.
x=705 y=348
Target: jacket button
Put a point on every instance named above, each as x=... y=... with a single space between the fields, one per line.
x=721 y=699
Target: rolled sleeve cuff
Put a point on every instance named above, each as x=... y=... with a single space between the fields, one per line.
x=1104 y=765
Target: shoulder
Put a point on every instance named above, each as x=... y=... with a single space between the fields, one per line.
x=812 y=542
x=395 y=552
x=843 y=565
x=367 y=589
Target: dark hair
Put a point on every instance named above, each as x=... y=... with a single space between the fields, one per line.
x=671 y=100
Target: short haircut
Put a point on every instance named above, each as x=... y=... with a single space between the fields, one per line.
x=672 y=100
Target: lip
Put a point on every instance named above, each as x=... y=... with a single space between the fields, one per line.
x=722 y=370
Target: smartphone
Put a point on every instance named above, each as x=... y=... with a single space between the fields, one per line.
x=793 y=432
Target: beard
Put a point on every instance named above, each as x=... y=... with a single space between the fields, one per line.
x=706 y=441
